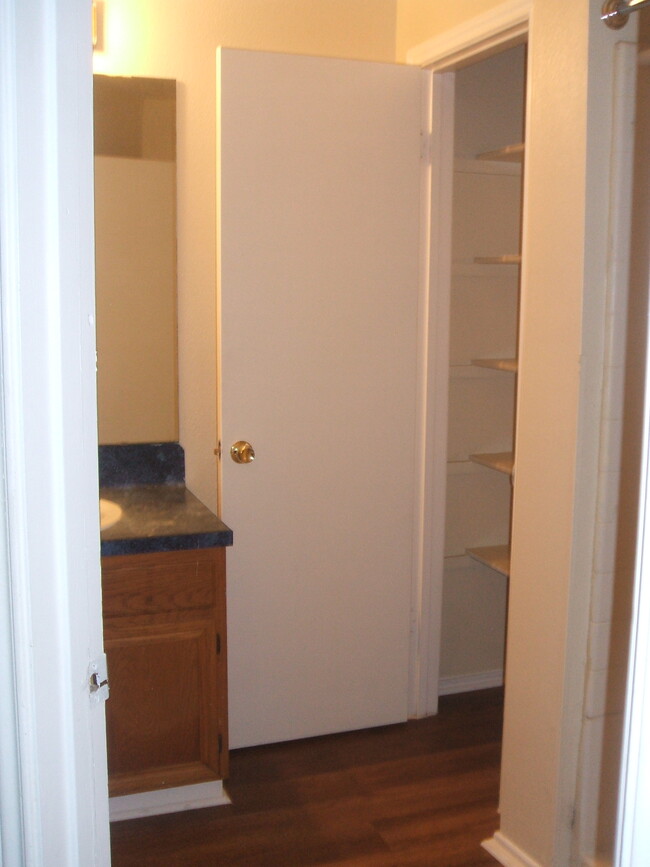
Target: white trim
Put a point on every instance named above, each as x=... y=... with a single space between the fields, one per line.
x=17 y=781
x=418 y=655
x=433 y=384
x=589 y=802
x=46 y=215
x=174 y=800
x=508 y=853
x=11 y=818
x=495 y=30
x=506 y=24
x=470 y=682
x=633 y=831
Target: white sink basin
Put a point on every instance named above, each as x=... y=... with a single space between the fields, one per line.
x=109 y=513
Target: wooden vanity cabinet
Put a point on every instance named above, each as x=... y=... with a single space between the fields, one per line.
x=165 y=640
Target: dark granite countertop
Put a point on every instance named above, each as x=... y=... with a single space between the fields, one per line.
x=160 y=518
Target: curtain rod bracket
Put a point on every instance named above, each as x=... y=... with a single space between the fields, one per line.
x=616 y=12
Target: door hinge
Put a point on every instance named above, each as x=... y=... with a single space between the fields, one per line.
x=218 y=643
x=98 y=679
x=217 y=451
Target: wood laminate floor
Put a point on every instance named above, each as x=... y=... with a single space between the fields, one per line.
x=421 y=793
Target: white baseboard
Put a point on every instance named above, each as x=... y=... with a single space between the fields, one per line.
x=173 y=800
x=507 y=853
x=470 y=682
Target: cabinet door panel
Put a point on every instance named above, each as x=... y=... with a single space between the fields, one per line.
x=162 y=710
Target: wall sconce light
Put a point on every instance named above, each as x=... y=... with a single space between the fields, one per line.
x=98 y=25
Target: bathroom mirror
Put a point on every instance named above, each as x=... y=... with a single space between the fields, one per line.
x=135 y=258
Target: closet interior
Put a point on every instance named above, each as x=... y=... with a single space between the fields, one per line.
x=484 y=311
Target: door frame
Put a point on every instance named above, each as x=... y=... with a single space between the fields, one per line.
x=632 y=832
x=54 y=796
x=501 y=28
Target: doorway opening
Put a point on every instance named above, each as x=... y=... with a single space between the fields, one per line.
x=489 y=117
x=470 y=119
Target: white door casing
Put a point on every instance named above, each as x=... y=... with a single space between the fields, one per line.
x=53 y=789
x=318 y=270
x=632 y=261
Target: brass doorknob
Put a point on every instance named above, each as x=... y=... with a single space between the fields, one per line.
x=242 y=452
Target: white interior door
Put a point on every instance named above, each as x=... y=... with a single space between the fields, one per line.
x=318 y=262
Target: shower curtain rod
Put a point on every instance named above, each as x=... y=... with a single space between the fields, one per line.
x=616 y=12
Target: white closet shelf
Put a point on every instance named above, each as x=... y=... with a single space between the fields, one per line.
x=497 y=557
x=509 y=364
x=502 y=462
x=513 y=153
x=506 y=259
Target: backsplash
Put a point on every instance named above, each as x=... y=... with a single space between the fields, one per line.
x=141 y=464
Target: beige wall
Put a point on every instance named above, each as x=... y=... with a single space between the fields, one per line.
x=362 y=29
x=169 y=39
x=419 y=20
